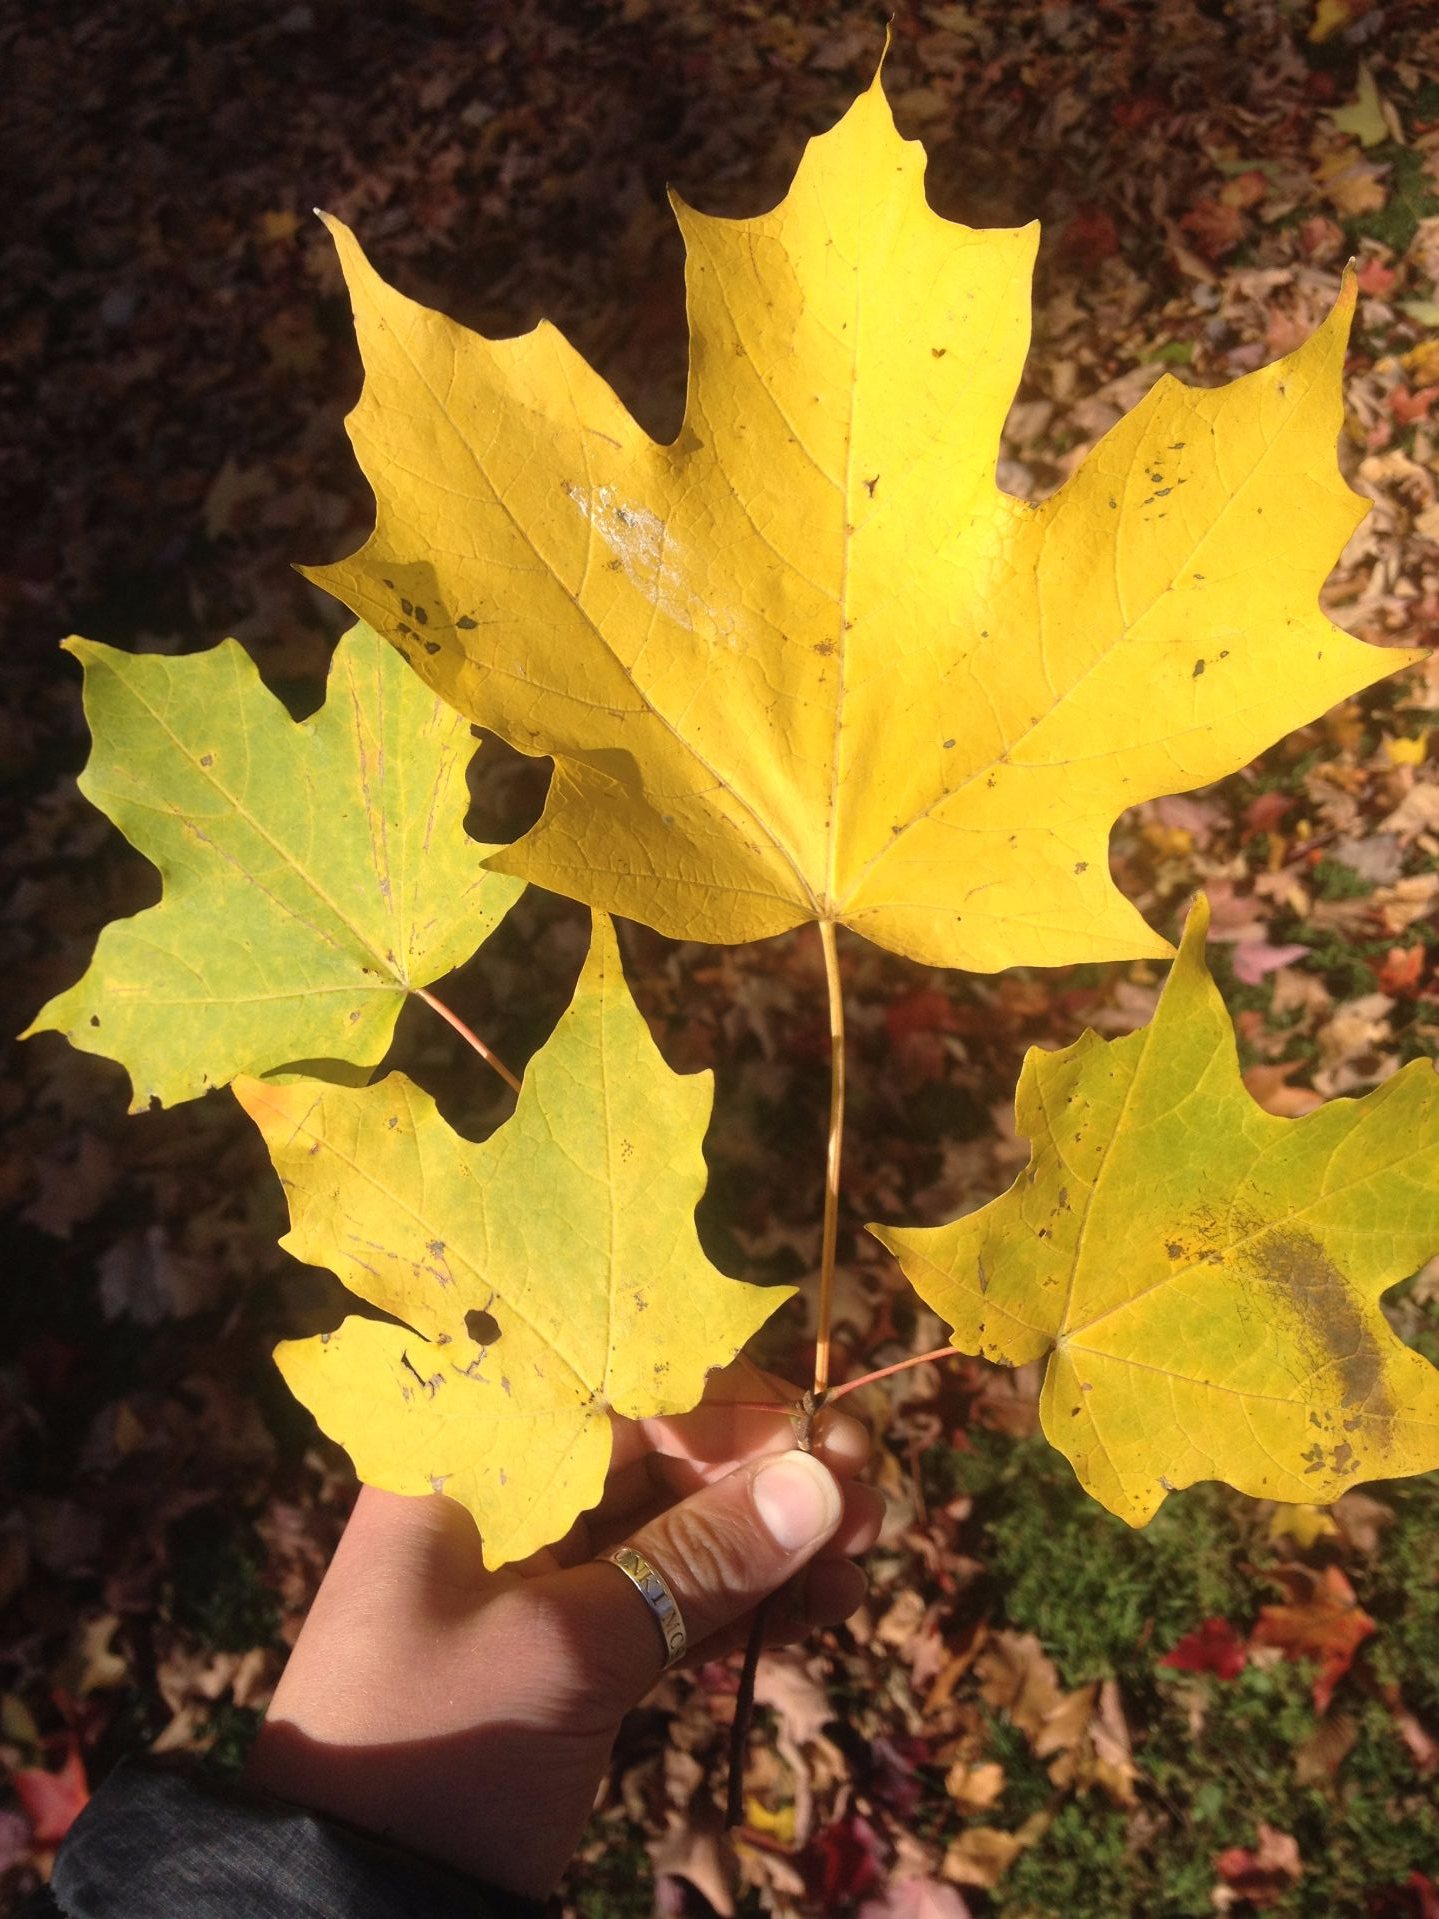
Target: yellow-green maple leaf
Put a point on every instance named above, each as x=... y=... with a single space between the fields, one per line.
x=808 y=661
x=314 y=874
x=572 y=1227
x=1205 y=1276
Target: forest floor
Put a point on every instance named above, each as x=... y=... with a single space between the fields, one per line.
x=1038 y=1712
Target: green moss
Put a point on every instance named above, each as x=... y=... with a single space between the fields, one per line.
x=234 y=1728
x=1410 y=199
x=1102 y=1597
x=619 y=1882
x=216 y=1588
x=1333 y=880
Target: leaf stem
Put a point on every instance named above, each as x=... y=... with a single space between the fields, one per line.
x=471 y=1038
x=900 y=1365
x=832 y=1158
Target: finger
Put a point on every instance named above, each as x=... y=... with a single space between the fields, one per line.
x=721 y=1551
x=825 y=1595
x=857 y=1531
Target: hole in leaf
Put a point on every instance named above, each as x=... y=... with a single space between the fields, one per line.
x=483 y=1328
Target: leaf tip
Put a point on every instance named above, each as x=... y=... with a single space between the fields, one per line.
x=1196 y=928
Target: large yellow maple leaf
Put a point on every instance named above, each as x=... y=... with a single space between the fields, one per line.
x=543 y=1279
x=809 y=662
x=1204 y=1276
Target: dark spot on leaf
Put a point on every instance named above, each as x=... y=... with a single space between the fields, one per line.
x=1198 y=669
x=870 y=485
x=94 y=1019
x=938 y=352
x=406 y=607
x=207 y=759
x=354 y=1016
x=948 y=744
x=422 y=616
x=824 y=648
x=1174 y=1249
x=432 y=646
x=483 y=1328
x=436 y=1249
x=392 y=1122
x=1081 y=866
x=1335 y=1336
x=464 y=624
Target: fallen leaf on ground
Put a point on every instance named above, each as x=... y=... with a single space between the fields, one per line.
x=1325 y=1623
x=981 y=1856
x=1214 y=1646
x=1303 y=1524
x=52 y=1800
x=1263 y=1874
x=916 y=1899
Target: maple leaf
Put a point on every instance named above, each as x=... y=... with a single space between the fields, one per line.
x=1322 y=1622
x=545 y=1278
x=808 y=662
x=314 y=874
x=1214 y=1646
x=1205 y=1276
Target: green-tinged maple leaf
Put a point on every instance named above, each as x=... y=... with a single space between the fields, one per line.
x=1206 y=1277
x=808 y=662
x=314 y=874
x=571 y=1228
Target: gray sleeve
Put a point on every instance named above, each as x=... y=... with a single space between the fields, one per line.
x=160 y=1839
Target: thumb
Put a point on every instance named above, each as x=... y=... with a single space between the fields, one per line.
x=721 y=1551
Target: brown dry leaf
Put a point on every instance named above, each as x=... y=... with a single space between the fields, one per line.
x=1269 y=1087
x=1262 y=1874
x=981 y=1856
x=975 y=1788
x=1017 y=1678
x=1362 y=1520
x=1318 y=1758
x=92 y=1663
x=693 y=1847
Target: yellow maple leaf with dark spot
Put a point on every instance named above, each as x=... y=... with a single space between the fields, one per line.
x=1204 y=1276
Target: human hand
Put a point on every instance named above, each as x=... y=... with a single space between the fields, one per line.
x=469 y=1715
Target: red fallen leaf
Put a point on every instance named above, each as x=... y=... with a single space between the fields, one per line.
x=1376 y=279
x=1215 y=228
x=1264 y=812
x=1408 y=408
x=1326 y=1625
x=1088 y=238
x=1265 y=1873
x=1426 y=1894
x=1320 y=239
x=1133 y=116
x=1402 y=970
x=922 y=1011
x=52 y=1800
x=846 y=1856
x=1213 y=1647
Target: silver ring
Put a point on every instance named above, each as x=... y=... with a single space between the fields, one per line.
x=653 y=1588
